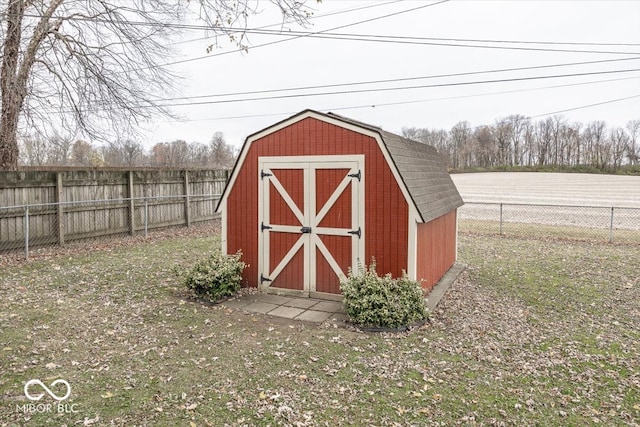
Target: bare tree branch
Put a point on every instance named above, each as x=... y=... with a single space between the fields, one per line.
x=97 y=65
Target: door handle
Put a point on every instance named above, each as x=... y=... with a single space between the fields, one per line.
x=305 y=230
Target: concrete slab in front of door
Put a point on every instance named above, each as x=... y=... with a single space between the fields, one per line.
x=301 y=302
x=314 y=310
x=260 y=307
x=313 y=316
x=309 y=310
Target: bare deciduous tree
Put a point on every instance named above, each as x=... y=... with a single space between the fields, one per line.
x=518 y=141
x=33 y=150
x=460 y=136
x=123 y=152
x=633 y=152
x=198 y=154
x=59 y=148
x=98 y=65
x=82 y=153
x=222 y=155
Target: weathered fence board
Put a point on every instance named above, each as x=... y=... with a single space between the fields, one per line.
x=62 y=206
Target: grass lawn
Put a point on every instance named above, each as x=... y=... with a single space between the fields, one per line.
x=534 y=333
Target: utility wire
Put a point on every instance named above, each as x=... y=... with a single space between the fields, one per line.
x=227 y=101
x=387 y=104
x=266 y=31
x=586 y=106
x=205 y=27
x=151 y=103
x=301 y=36
x=314 y=17
x=425 y=42
x=402 y=79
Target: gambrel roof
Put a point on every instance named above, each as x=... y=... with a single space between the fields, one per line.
x=421 y=169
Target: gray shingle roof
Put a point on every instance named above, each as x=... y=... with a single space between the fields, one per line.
x=423 y=171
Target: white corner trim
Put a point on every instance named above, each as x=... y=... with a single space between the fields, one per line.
x=224 y=218
x=456 y=254
x=412 y=252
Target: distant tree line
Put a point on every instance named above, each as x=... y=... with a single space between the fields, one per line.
x=513 y=142
x=66 y=150
x=518 y=142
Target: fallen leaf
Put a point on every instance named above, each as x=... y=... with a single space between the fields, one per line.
x=89 y=421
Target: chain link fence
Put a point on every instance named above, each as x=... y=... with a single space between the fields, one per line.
x=28 y=228
x=586 y=223
x=25 y=228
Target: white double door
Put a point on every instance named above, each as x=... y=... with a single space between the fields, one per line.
x=311 y=222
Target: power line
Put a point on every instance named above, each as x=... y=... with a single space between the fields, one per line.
x=425 y=41
x=227 y=101
x=265 y=31
x=314 y=17
x=152 y=104
x=586 y=106
x=184 y=61
x=328 y=34
x=402 y=79
x=483 y=94
x=387 y=104
x=205 y=27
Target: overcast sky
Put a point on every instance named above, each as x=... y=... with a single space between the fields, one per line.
x=601 y=30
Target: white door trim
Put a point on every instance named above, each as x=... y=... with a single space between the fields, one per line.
x=309 y=241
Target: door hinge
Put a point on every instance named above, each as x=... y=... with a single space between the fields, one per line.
x=263 y=174
x=357 y=232
x=265 y=227
x=305 y=230
x=356 y=175
x=264 y=279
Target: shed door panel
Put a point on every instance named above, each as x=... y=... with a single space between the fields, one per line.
x=330 y=213
x=286 y=196
x=287 y=260
x=333 y=259
x=311 y=223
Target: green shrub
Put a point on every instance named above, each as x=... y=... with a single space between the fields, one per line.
x=374 y=301
x=216 y=276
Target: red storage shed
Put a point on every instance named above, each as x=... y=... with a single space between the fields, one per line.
x=317 y=194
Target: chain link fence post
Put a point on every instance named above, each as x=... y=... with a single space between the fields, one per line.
x=611 y=227
x=26 y=232
x=501 y=219
x=146 y=217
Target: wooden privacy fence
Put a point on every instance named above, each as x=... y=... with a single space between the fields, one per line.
x=45 y=207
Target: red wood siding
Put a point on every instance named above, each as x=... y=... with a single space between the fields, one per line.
x=292 y=277
x=386 y=219
x=436 y=249
x=340 y=248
